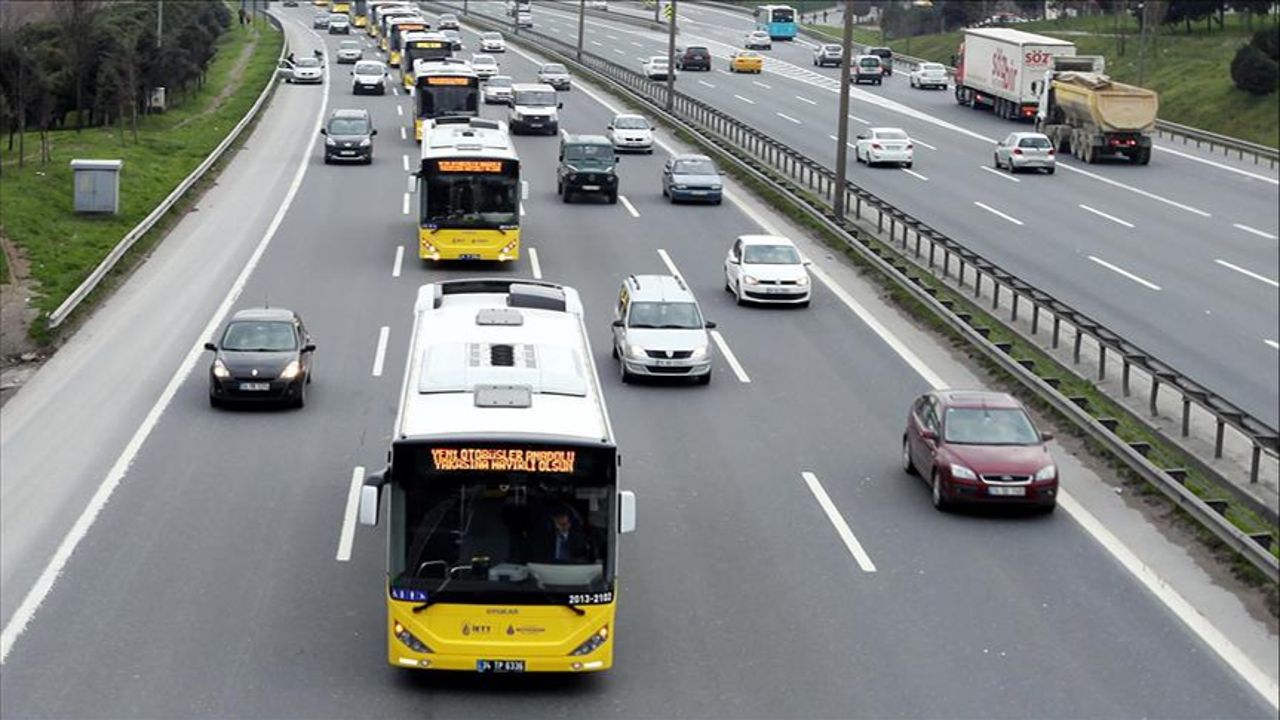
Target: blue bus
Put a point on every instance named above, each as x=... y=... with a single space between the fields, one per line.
x=777 y=20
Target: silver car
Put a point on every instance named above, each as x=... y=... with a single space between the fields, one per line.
x=303 y=70
x=1025 y=151
x=825 y=55
x=659 y=331
x=349 y=52
x=496 y=89
x=555 y=75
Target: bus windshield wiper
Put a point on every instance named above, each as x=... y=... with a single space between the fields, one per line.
x=552 y=596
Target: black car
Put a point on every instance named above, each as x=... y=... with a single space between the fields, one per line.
x=349 y=136
x=694 y=57
x=587 y=165
x=264 y=355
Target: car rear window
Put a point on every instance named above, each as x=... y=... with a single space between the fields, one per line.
x=891 y=135
x=869 y=62
x=1034 y=142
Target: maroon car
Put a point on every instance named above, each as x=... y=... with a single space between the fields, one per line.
x=979 y=447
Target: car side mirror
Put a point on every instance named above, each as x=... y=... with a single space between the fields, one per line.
x=618 y=323
x=210 y=346
x=808 y=263
x=721 y=172
x=309 y=347
x=1046 y=436
x=373 y=132
x=559 y=105
x=608 y=127
x=323 y=131
x=710 y=325
x=928 y=434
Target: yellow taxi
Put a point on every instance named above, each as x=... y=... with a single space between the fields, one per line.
x=748 y=61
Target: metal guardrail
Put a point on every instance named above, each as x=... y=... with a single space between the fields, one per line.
x=68 y=306
x=760 y=154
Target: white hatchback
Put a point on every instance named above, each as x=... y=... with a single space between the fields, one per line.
x=656 y=67
x=767 y=269
x=484 y=66
x=884 y=145
x=630 y=132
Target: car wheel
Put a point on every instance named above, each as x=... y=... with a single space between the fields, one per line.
x=1013 y=169
x=1050 y=171
x=995 y=161
x=940 y=501
x=613 y=198
x=559 y=188
x=737 y=295
x=705 y=379
x=908 y=164
x=214 y=402
x=907 y=466
x=301 y=400
x=565 y=196
x=717 y=201
x=623 y=373
x=613 y=350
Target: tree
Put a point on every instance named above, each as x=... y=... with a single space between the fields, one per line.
x=1250 y=8
x=76 y=21
x=1268 y=41
x=1254 y=72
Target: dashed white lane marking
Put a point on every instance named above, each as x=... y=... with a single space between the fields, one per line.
x=1274 y=345
x=611 y=37
x=1228 y=168
x=748 y=101
x=1117 y=269
x=922 y=143
x=380 y=354
x=395 y=91
x=1112 y=218
x=524 y=189
x=627 y=204
x=730 y=358
x=704 y=82
x=408 y=183
x=534 y=264
x=915 y=174
x=806 y=100
x=404 y=160
x=347 y=535
x=596 y=43
x=666 y=260
x=395 y=267
x=636 y=44
x=404 y=205
x=1255 y=231
x=404 y=134
x=1243 y=271
x=620 y=52
x=999 y=174
x=788 y=118
x=522 y=210
x=996 y=212
x=1139 y=191
x=763 y=85
x=842 y=528
x=400 y=110
x=855 y=118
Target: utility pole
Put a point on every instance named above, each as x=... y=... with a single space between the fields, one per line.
x=1142 y=42
x=160 y=24
x=671 y=56
x=842 y=141
x=582 y=23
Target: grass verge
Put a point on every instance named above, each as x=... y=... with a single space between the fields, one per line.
x=1192 y=72
x=38 y=217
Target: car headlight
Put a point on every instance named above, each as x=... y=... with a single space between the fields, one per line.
x=330 y=142
x=366 y=142
x=291 y=370
x=220 y=369
x=750 y=280
x=592 y=643
x=680 y=186
x=411 y=642
x=1048 y=472
x=962 y=472
x=699 y=353
x=516 y=115
x=635 y=351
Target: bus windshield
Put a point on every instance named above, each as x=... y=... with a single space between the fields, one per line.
x=470 y=200
x=444 y=100
x=493 y=524
x=783 y=15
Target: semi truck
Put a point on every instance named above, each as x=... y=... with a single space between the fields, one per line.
x=1004 y=69
x=1086 y=113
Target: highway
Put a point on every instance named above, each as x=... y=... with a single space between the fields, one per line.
x=207 y=585
x=1180 y=257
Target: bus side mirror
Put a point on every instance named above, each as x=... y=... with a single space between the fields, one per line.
x=371 y=498
x=559 y=106
x=626 y=511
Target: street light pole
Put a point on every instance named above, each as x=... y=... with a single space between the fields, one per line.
x=582 y=23
x=671 y=57
x=160 y=24
x=842 y=142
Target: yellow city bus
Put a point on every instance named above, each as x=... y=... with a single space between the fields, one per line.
x=340 y=6
x=423 y=46
x=384 y=24
x=468 y=192
x=449 y=88
x=503 y=510
x=360 y=13
x=377 y=6
x=396 y=30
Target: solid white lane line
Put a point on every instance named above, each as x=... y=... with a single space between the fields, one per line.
x=1246 y=173
x=633 y=42
x=404 y=134
x=404 y=206
x=348 y=534
x=404 y=159
x=611 y=37
x=380 y=354
x=395 y=91
x=395 y=268
x=842 y=528
x=555 y=29
x=1274 y=345
x=1101 y=214
x=748 y=101
x=666 y=260
x=729 y=357
x=763 y=85
x=533 y=263
x=1255 y=231
x=1250 y=273
x=627 y=204
x=1126 y=273
x=915 y=174
x=704 y=82
x=994 y=211
x=999 y=174
x=43 y=585
x=806 y=100
x=1130 y=188
x=788 y=117
x=400 y=111
x=922 y=143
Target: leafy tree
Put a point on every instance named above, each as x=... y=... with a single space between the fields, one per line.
x=1254 y=72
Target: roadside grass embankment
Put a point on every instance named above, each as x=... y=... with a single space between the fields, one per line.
x=37 y=215
x=1192 y=72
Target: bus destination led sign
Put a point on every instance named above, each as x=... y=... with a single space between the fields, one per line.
x=475 y=166
x=503 y=460
x=448 y=81
x=426 y=44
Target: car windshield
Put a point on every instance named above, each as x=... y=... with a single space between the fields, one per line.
x=891 y=135
x=1034 y=142
x=631 y=123
x=989 y=426
x=350 y=45
x=307 y=62
x=670 y=315
x=695 y=167
x=536 y=98
x=499 y=81
x=593 y=152
x=348 y=126
x=259 y=336
x=452 y=34
x=337 y=18
x=490 y=36
x=483 y=60
x=770 y=255
x=368 y=69
x=554 y=69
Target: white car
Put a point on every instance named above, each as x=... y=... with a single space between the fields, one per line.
x=306 y=70
x=884 y=145
x=349 y=51
x=630 y=132
x=496 y=90
x=369 y=76
x=492 y=42
x=656 y=67
x=484 y=66
x=757 y=40
x=598 y=4
x=448 y=21
x=524 y=19
x=767 y=269
x=929 y=75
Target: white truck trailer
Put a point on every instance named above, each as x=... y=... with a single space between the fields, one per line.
x=1004 y=69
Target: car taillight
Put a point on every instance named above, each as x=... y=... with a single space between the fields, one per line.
x=1017 y=151
x=875 y=146
x=1051 y=152
x=910 y=146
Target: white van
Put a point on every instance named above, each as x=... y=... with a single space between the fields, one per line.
x=533 y=109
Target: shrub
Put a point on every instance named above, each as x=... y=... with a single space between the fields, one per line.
x=1254 y=72
x=1268 y=41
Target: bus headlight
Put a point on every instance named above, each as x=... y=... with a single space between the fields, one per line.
x=220 y=369
x=291 y=370
x=593 y=642
x=411 y=642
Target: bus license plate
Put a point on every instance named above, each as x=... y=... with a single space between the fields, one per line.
x=255 y=387
x=500 y=666
x=1008 y=491
x=468 y=256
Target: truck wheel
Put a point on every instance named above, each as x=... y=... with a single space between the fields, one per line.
x=1143 y=157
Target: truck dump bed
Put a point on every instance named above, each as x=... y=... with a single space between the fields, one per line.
x=1111 y=106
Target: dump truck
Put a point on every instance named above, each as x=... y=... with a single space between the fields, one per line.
x=1003 y=69
x=1086 y=113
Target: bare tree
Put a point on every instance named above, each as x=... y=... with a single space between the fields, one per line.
x=76 y=19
